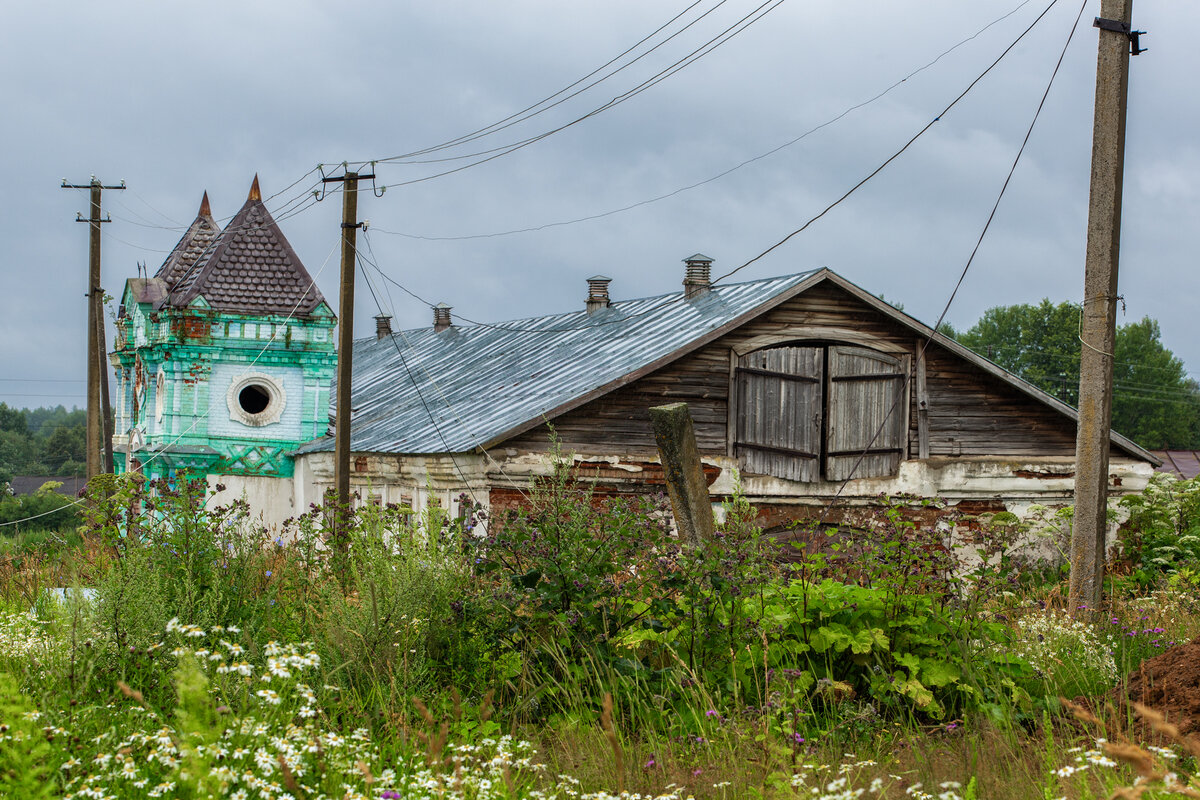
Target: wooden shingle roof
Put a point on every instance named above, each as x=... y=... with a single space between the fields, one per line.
x=249 y=268
x=200 y=234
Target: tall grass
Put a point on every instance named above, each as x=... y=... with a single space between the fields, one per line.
x=422 y=661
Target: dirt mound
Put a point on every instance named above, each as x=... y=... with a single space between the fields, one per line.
x=1170 y=684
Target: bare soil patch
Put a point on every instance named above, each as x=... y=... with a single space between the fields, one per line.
x=1170 y=684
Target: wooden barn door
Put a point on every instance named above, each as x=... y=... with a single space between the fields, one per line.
x=779 y=402
x=868 y=413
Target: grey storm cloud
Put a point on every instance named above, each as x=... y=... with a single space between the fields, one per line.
x=178 y=99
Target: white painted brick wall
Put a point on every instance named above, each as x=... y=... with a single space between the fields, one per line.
x=221 y=424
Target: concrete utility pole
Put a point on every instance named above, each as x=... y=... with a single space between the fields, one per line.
x=350 y=226
x=690 y=504
x=1098 y=326
x=99 y=413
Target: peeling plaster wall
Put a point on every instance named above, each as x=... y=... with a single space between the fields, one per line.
x=420 y=482
x=1029 y=488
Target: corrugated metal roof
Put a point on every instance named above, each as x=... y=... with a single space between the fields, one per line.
x=482 y=384
x=424 y=392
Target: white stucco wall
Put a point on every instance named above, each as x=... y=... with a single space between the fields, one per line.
x=270 y=499
x=417 y=481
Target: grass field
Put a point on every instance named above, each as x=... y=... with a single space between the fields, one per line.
x=578 y=651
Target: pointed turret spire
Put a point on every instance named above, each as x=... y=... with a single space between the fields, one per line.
x=199 y=235
x=249 y=268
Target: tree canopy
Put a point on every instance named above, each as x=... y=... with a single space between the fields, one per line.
x=42 y=441
x=1155 y=403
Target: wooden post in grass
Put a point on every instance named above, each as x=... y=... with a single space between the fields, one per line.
x=685 y=476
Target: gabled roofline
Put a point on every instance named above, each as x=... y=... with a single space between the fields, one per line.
x=1128 y=445
x=824 y=274
x=203 y=217
x=148 y=291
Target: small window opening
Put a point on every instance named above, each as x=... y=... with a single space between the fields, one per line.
x=254 y=399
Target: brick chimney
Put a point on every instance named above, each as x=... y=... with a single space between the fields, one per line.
x=597 y=298
x=383 y=325
x=441 y=317
x=698 y=280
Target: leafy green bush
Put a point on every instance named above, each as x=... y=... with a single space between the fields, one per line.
x=178 y=557
x=1163 y=532
x=574 y=570
x=598 y=593
x=401 y=624
x=44 y=510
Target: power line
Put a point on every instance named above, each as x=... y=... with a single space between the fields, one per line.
x=970 y=259
x=278 y=216
x=1074 y=359
x=524 y=114
x=425 y=405
x=176 y=226
x=722 y=174
x=691 y=58
x=675 y=298
x=908 y=144
x=449 y=407
x=966 y=268
x=41 y=394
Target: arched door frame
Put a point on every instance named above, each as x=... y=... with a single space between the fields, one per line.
x=811 y=334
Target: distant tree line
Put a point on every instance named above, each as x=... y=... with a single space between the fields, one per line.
x=1155 y=402
x=42 y=441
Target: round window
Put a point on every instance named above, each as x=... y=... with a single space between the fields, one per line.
x=256 y=399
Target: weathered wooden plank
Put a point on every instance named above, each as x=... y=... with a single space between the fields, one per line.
x=967 y=411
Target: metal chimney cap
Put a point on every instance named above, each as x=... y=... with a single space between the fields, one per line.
x=383 y=326
x=699 y=257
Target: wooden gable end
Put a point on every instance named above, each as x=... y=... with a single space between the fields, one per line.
x=949 y=406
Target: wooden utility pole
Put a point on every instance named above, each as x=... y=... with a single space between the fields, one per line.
x=350 y=226
x=99 y=413
x=1098 y=326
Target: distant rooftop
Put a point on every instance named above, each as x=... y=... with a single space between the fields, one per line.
x=28 y=484
x=1182 y=463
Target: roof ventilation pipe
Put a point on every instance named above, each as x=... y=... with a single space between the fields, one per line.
x=383 y=326
x=698 y=279
x=441 y=317
x=597 y=298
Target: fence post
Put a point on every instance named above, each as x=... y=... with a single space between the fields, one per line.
x=685 y=476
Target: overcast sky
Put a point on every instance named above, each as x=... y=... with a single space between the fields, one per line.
x=178 y=98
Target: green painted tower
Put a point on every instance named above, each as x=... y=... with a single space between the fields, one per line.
x=224 y=358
